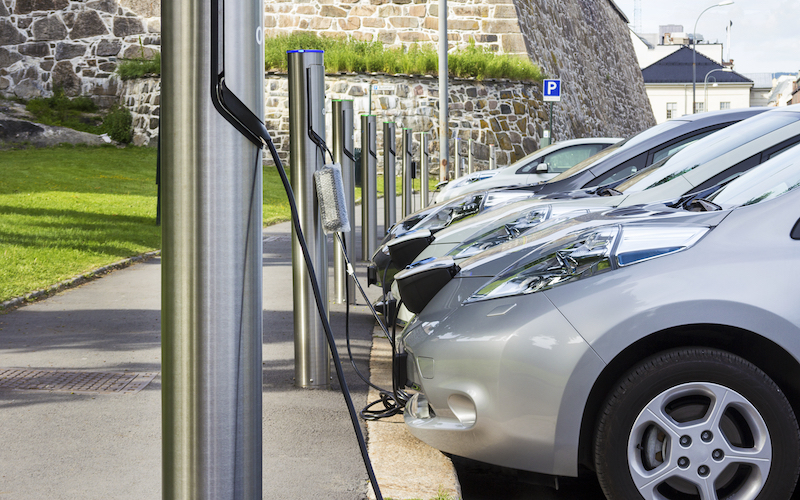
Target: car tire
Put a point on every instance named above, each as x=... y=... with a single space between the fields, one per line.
x=662 y=434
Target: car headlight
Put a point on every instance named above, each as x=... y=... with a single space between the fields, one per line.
x=508 y=231
x=451 y=212
x=504 y=197
x=585 y=254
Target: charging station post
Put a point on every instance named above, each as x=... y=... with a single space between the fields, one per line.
x=424 y=167
x=408 y=172
x=211 y=300
x=369 y=187
x=342 y=122
x=306 y=154
x=389 y=176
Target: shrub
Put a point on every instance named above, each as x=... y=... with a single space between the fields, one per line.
x=137 y=68
x=118 y=123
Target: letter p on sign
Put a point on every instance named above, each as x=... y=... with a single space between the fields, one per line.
x=552 y=90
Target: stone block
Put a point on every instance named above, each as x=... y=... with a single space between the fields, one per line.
x=529 y=145
x=431 y=23
x=127 y=26
x=350 y=23
x=108 y=48
x=320 y=23
x=514 y=43
x=27 y=89
x=417 y=10
x=270 y=22
x=3 y=10
x=387 y=36
x=467 y=11
x=390 y=11
x=7 y=58
x=138 y=52
x=505 y=12
x=331 y=11
x=64 y=76
x=305 y=10
x=28 y=6
x=108 y=6
x=39 y=49
x=413 y=36
x=66 y=50
x=47 y=65
x=462 y=25
x=404 y=22
x=303 y=24
x=500 y=26
x=373 y=22
x=9 y=34
x=108 y=66
x=356 y=91
x=69 y=19
x=87 y=24
x=363 y=10
x=363 y=36
x=154 y=25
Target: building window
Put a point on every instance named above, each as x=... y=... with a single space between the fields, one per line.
x=725 y=105
x=672 y=110
x=699 y=107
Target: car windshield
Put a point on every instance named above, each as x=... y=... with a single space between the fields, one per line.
x=769 y=180
x=620 y=147
x=707 y=149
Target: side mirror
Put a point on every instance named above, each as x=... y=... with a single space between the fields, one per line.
x=541 y=168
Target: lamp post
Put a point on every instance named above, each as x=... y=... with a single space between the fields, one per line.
x=694 y=50
x=705 y=85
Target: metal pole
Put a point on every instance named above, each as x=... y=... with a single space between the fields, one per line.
x=444 y=146
x=389 y=176
x=312 y=367
x=343 y=154
x=470 y=164
x=424 y=167
x=458 y=166
x=408 y=172
x=211 y=309
x=492 y=158
x=369 y=187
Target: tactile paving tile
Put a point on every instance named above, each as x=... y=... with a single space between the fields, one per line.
x=74 y=381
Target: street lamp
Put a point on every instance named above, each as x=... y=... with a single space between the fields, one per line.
x=705 y=84
x=694 y=50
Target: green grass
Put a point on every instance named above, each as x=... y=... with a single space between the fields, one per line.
x=137 y=68
x=357 y=56
x=67 y=210
x=81 y=113
x=354 y=56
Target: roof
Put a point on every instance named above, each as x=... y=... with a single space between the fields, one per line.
x=677 y=68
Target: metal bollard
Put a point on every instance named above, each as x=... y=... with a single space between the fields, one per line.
x=389 y=176
x=424 y=167
x=342 y=111
x=369 y=187
x=470 y=165
x=306 y=107
x=492 y=159
x=457 y=163
x=408 y=172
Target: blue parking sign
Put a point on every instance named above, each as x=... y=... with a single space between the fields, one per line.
x=552 y=90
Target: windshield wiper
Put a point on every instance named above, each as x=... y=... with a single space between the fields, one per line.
x=701 y=205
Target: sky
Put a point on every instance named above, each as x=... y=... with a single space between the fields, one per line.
x=765 y=37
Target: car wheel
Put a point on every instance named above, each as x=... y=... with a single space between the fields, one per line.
x=697 y=423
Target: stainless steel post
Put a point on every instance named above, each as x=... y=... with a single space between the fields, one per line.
x=312 y=367
x=444 y=92
x=470 y=164
x=408 y=172
x=342 y=111
x=369 y=187
x=211 y=310
x=389 y=177
x=492 y=158
x=424 y=167
x=457 y=164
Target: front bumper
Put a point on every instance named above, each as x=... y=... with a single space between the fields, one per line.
x=505 y=381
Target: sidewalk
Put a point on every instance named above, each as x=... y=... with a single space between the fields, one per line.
x=68 y=444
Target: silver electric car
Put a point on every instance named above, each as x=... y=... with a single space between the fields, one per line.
x=658 y=346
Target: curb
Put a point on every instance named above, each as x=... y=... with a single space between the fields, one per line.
x=74 y=282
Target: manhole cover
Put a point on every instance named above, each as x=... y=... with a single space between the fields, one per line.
x=74 y=381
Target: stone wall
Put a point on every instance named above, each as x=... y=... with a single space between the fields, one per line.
x=490 y=23
x=587 y=44
x=142 y=97
x=72 y=44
